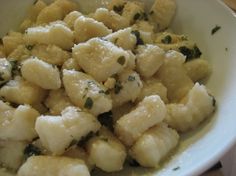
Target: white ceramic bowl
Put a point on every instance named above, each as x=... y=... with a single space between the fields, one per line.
x=203 y=147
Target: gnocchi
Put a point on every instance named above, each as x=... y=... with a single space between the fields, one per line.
x=52 y=165
x=97 y=90
x=57 y=132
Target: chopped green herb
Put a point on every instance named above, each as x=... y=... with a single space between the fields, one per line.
x=138 y=37
x=118 y=9
x=196 y=52
x=134 y=163
x=88 y=103
x=131 y=78
x=15 y=67
x=151 y=12
x=121 y=60
x=137 y=16
x=167 y=39
x=190 y=53
x=106 y=120
x=215 y=29
x=31 y=150
x=104 y=92
x=176 y=168
x=29 y=47
x=117 y=87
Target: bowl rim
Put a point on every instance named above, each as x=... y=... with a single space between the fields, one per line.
x=229 y=144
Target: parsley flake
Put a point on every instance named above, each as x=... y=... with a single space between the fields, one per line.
x=131 y=78
x=88 y=103
x=31 y=150
x=121 y=60
x=215 y=29
x=29 y=47
x=190 y=53
x=176 y=168
x=118 y=9
x=117 y=87
x=167 y=39
x=138 y=37
x=137 y=16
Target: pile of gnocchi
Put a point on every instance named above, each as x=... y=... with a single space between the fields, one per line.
x=85 y=91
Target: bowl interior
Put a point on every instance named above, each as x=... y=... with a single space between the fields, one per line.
x=202 y=147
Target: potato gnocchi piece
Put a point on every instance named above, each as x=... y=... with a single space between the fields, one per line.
x=162 y=13
x=153 y=86
x=32 y=15
x=71 y=18
x=87 y=28
x=11 y=41
x=20 y=91
x=174 y=76
x=111 y=19
x=123 y=38
x=56 y=11
x=71 y=64
x=101 y=59
x=79 y=153
x=51 y=54
x=57 y=132
x=154 y=145
x=12 y=154
x=17 y=124
x=197 y=69
x=57 y=101
x=199 y=105
x=86 y=93
x=148 y=113
x=134 y=11
x=54 y=33
x=127 y=88
x=106 y=151
x=149 y=60
x=21 y=52
x=41 y=73
x=53 y=165
x=5 y=70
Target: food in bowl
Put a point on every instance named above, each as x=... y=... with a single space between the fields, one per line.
x=84 y=91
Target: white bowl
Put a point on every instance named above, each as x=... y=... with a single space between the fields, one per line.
x=203 y=147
